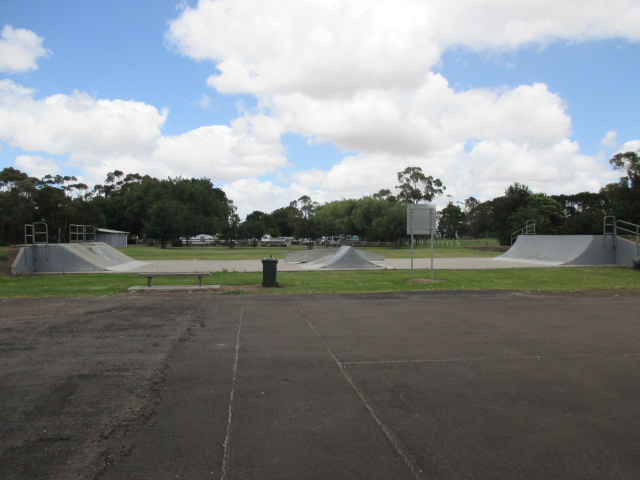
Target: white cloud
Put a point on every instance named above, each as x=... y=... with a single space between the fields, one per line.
x=20 y=50
x=488 y=24
x=484 y=171
x=205 y=101
x=85 y=128
x=251 y=194
x=356 y=74
x=609 y=140
x=320 y=48
x=100 y=136
x=250 y=147
x=37 y=166
x=334 y=47
x=631 y=146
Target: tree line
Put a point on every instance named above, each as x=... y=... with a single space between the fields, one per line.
x=174 y=208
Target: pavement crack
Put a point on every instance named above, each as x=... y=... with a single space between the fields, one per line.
x=225 y=445
x=417 y=473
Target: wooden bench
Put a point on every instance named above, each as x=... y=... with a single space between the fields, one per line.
x=150 y=276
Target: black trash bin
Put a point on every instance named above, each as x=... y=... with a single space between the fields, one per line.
x=269 y=272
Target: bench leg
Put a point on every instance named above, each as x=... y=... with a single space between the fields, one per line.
x=149 y=279
x=199 y=280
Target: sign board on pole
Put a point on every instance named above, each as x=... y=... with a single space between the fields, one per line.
x=421 y=219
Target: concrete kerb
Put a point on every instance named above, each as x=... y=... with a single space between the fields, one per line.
x=173 y=288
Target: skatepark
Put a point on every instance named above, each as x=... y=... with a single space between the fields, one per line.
x=423 y=385
x=527 y=252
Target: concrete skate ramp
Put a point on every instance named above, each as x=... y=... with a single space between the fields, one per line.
x=71 y=257
x=347 y=257
x=308 y=256
x=561 y=250
x=108 y=253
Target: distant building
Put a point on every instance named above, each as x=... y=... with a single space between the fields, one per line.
x=115 y=238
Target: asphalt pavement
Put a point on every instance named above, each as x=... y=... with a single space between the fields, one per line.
x=429 y=385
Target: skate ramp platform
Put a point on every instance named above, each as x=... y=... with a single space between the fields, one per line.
x=562 y=250
x=345 y=257
x=72 y=257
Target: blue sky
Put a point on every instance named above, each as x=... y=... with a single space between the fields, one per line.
x=275 y=100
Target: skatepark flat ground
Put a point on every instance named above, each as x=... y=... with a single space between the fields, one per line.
x=461 y=263
x=429 y=385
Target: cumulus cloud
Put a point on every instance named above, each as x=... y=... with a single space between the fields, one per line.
x=333 y=47
x=101 y=135
x=609 y=140
x=631 y=146
x=20 y=50
x=37 y=166
x=249 y=147
x=77 y=125
x=359 y=75
x=266 y=196
x=282 y=46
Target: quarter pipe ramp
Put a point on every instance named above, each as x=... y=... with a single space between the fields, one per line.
x=72 y=257
x=563 y=250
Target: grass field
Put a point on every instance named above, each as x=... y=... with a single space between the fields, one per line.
x=574 y=279
x=613 y=279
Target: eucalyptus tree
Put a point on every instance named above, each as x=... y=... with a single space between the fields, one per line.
x=416 y=187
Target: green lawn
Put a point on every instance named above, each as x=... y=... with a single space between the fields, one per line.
x=613 y=279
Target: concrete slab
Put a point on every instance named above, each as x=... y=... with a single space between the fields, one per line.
x=461 y=263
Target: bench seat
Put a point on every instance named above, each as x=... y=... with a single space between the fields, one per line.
x=150 y=276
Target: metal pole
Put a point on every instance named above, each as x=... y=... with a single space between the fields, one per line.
x=411 y=227
x=431 y=225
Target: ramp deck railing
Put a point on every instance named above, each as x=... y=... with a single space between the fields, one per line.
x=82 y=233
x=615 y=228
x=36 y=233
x=528 y=229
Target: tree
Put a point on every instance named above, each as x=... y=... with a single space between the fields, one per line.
x=165 y=220
x=284 y=220
x=335 y=218
x=307 y=207
x=629 y=162
x=584 y=213
x=503 y=223
x=623 y=198
x=415 y=186
x=17 y=205
x=478 y=218
x=451 y=221
x=254 y=226
x=384 y=194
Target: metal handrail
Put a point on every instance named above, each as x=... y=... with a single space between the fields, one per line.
x=82 y=233
x=36 y=234
x=635 y=232
x=615 y=226
x=529 y=229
